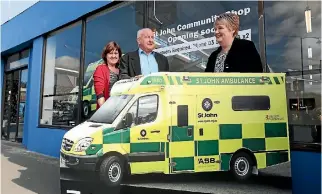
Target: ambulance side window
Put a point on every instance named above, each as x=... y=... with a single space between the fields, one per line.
x=182 y=118
x=133 y=111
x=250 y=103
x=147 y=109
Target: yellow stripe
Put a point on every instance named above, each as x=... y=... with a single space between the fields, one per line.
x=261 y=160
x=120 y=148
x=230 y=145
x=280 y=79
x=148 y=167
x=210 y=132
x=98 y=137
x=182 y=149
x=272 y=80
x=93 y=107
x=167 y=81
x=174 y=80
x=253 y=130
x=276 y=143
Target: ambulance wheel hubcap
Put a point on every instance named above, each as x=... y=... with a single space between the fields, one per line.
x=114 y=172
x=241 y=166
x=85 y=110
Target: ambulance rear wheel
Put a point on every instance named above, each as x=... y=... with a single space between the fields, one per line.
x=241 y=166
x=85 y=109
x=111 y=171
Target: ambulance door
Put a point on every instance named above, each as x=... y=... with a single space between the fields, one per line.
x=181 y=137
x=207 y=133
x=146 y=139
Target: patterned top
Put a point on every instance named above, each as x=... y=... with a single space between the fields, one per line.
x=114 y=77
x=220 y=61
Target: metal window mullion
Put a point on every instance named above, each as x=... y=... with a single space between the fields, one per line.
x=18 y=103
x=81 y=72
x=261 y=29
x=146 y=14
x=42 y=79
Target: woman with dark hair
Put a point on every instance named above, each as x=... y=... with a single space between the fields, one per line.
x=107 y=74
x=233 y=54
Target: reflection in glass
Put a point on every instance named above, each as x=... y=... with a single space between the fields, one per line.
x=287 y=41
x=18 y=60
x=110 y=109
x=61 y=75
x=290 y=49
x=147 y=110
x=22 y=102
x=11 y=108
x=7 y=105
x=130 y=15
x=186 y=35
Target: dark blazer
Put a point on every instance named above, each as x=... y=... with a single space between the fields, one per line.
x=242 y=57
x=130 y=64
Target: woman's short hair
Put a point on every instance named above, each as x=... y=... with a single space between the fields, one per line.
x=111 y=46
x=231 y=20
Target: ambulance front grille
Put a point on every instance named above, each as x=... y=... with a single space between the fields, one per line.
x=67 y=144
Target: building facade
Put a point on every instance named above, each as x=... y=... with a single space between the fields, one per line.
x=51 y=50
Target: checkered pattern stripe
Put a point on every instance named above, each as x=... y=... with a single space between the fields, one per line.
x=269 y=143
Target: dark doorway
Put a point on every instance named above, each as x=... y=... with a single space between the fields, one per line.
x=15 y=89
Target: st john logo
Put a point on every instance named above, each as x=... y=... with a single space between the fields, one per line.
x=207 y=104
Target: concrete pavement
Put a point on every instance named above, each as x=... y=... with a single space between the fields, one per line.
x=27 y=172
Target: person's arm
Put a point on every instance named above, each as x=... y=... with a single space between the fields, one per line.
x=99 y=85
x=256 y=62
x=124 y=67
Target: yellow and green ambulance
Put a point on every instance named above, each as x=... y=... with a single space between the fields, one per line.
x=184 y=123
x=89 y=96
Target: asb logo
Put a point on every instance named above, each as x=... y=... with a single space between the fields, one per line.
x=207 y=104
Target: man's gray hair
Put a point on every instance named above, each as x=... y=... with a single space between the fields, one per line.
x=140 y=31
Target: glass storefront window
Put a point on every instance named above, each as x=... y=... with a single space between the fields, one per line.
x=61 y=74
x=120 y=25
x=184 y=29
x=18 y=60
x=293 y=50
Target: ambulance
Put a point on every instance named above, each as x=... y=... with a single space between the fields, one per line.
x=174 y=123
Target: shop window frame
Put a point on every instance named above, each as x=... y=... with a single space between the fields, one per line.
x=83 y=20
x=110 y=7
x=8 y=70
x=294 y=145
x=43 y=66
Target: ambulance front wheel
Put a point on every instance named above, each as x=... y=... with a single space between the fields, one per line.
x=241 y=166
x=111 y=171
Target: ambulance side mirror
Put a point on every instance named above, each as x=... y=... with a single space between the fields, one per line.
x=128 y=119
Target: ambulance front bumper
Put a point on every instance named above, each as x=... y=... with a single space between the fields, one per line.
x=87 y=163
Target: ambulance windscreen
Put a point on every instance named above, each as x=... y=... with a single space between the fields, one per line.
x=110 y=109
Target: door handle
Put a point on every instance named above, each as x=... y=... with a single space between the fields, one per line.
x=201 y=131
x=155 y=131
x=189 y=131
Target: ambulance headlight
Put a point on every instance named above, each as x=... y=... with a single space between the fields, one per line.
x=83 y=144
